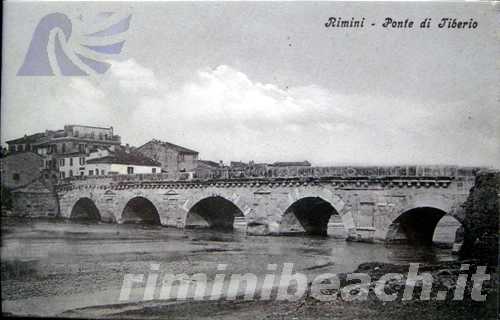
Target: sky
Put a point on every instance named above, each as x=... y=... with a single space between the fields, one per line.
x=268 y=82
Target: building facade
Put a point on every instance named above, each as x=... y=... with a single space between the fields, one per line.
x=74 y=140
x=207 y=169
x=20 y=169
x=26 y=143
x=70 y=165
x=106 y=161
x=27 y=187
x=120 y=161
x=174 y=159
x=37 y=199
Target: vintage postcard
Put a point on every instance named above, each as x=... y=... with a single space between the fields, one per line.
x=250 y=160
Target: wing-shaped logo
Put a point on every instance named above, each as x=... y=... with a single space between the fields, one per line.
x=50 y=47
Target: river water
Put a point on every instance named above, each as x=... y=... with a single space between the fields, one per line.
x=49 y=267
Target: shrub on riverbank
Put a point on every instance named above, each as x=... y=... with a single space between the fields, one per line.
x=17 y=269
x=6 y=199
x=481 y=220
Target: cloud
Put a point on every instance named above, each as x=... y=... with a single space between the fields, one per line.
x=81 y=101
x=85 y=89
x=225 y=115
x=133 y=77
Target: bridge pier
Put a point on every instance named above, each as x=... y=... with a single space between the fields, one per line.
x=240 y=224
x=336 y=230
x=259 y=228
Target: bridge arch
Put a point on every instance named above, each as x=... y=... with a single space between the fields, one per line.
x=85 y=209
x=417 y=225
x=215 y=212
x=448 y=230
x=308 y=214
x=140 y=210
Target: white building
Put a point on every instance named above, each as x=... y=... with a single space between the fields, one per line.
x=72 y=165
x=106 y=162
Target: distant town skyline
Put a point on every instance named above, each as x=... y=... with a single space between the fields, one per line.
x=275 y=85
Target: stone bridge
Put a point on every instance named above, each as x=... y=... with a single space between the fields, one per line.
x=353 y=205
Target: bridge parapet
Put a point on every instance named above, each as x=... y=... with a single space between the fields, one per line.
x=425 y=176
x=374 y=171
x=341 y=183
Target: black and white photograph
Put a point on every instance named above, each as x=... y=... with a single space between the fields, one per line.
x=247 y=160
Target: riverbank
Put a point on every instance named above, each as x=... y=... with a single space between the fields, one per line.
x=444 y=277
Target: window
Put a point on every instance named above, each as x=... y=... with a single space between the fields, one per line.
x=96 y=172
x=153 y=170
x=70 y=173
x=16 y=176
x=81 y=148
x=61 y=162
x=63 y=147
x=130 y=170
x=81 y=173
x=63 y=174
x=76 y=133
x=91 y=172
x=70 y=161
x=82 y=161
x=100 y=135
x=102 y=172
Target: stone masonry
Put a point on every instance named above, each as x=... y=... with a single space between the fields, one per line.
x=362 y=207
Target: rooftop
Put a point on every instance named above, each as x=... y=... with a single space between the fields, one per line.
x=61 y=134
x=170 y=145
x=238 y=164
x=129 y=158
x=28 y=138
x=292 y=164
x=86 y=126
x=209 y=163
